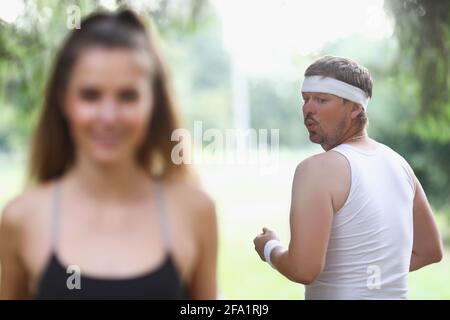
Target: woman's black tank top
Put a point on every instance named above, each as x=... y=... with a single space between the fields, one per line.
x=61 y=282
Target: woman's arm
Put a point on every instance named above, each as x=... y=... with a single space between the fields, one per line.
x=203 y=285
x=13 y=275
x=427 y=244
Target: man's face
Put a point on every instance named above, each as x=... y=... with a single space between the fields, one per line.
x=327 y=118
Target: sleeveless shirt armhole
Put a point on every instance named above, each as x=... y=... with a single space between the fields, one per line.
x=405 y=165
x=410 y=173
x=352 y=181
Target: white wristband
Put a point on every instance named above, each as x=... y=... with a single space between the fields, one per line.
x=270 y=245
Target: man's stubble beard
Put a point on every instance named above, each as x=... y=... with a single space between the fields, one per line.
x=328 y=140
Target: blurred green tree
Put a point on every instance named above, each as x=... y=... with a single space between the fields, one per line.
x=28 y=45
x=422 y=73
x=423 y=30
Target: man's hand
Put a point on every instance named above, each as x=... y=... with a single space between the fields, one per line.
x=261 y=240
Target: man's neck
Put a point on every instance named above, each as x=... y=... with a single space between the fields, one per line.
x=362 y=141
x=358 y=137
x=355 y=137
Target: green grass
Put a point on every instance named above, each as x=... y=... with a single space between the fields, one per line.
x=247 y=200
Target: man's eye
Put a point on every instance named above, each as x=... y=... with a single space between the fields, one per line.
x=320 y=100
x=90 y=95
x=128 y=95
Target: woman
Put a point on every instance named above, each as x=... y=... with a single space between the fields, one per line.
x=110 y=215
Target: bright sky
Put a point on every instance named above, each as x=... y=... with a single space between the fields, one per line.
x=261 y=33
x=9 y=10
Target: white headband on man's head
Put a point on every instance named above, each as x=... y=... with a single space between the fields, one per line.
x=336 y=87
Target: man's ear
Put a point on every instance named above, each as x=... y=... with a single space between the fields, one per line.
x=356 y=110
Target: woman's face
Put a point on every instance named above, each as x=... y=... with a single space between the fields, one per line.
x=109 y=104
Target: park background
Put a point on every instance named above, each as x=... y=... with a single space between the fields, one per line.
x=240 y=64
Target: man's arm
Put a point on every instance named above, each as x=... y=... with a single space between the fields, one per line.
x=310 y=222
x=427 y=243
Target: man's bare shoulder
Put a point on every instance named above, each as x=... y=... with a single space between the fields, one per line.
x=323 y=165
x=326 y=173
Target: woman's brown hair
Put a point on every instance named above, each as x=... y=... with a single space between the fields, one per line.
x=53 y=149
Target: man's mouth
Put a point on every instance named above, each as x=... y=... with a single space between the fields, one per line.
x=309 y=123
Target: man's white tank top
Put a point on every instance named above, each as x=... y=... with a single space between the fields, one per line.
x=370 y=245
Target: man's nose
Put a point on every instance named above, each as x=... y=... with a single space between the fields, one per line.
x=308 y=107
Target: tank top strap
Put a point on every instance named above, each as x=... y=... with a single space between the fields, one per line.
x=162 y=214
x=160 y=207
x=55 y=208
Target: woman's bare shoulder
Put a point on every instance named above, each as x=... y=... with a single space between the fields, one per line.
x=190 y=195
x=25 y=207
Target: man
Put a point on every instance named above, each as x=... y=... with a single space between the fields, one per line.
x=359 y=219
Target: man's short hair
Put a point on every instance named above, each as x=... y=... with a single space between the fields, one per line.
x=346 y=70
